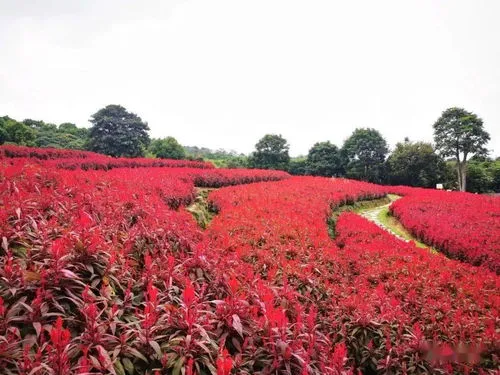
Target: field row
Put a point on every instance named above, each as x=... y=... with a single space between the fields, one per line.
x=463 y=226
x=86 y=160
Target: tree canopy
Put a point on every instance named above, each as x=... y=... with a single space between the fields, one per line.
x=364 y=154
x=416 y=164
x=167 y=148
x=117 y=132
x=460 y=134
x=324 y=159
x=271 y=152
x=41 y=134
x=298 y=166
x=17 y=132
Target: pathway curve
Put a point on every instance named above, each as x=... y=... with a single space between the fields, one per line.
x=373 y=214
x=380 y=216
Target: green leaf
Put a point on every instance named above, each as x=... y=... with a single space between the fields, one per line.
x=129 y=366
x=156 y=348
x=137 y=354
x=119 y=368
x=178 y=366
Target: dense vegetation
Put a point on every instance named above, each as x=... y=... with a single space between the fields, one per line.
x=363 y=156
x=464 y=226
x=106 y=271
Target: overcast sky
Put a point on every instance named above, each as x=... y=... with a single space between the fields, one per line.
x=221 y=74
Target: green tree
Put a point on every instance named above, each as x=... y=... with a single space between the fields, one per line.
x=236 y=161
x=479 y=177
x=167 y=148
x=298 y=166
x=39 y=125
x=70 y=128
x=17 y=132
x=72 y=136
x=415 y=164
x=271 y=152
x=117 y=132
x=495 y=176
x=364 y=155
x=324 y=159
x=4 y=136
x=460 y=134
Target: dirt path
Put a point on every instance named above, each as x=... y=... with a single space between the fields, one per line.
x=380 y=215
x=373 y=214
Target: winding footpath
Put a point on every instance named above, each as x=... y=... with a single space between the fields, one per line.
x=373 y=214
x=380 y=216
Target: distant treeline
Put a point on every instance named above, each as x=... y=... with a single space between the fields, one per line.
x=365 y=155
x=42 y=134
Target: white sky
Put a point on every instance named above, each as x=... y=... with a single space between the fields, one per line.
x=221 y=74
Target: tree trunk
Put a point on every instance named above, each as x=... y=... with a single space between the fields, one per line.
x=459 y=176
x=462 y=175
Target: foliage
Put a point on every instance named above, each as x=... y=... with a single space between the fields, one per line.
x=17 y=132
x=483 y=176
x=298 y=166
x=415 y=164
x=271 y=152
x=324 y=159
x=206 y=153
x=117 y=132
x=364 y=152
x=105 y=272
x=463 y=226
x=215 y=178
x=231 y=162
x=4 y=136
x=220 y=158
x=392 y=305
x=167 y=148
x=48 y=153
x=479 y=180
x=38 y=133
x=460 y=134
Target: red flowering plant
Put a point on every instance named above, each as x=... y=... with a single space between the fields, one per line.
x=106 y=272
x=463 y=226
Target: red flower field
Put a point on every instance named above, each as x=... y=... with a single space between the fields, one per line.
x=464 y=226
x=105 y=272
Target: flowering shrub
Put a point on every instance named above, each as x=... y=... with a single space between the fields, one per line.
x=427 y=299
x=102 y=162
x=215 y=178
x=12 y=151
x=76 y=159
x=463 y=226
x=106 y=272
x=387 y=305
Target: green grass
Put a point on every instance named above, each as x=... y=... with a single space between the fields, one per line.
x=395 y=226
x=390 y=222
x=200 y=209
x=356 y=207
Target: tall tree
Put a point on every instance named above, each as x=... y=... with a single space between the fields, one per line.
x=415 y=164
x=271 y=152
x=167 y=148
x=460 y=134
x=117 y=132
x=324 y=159
x=364 y=153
